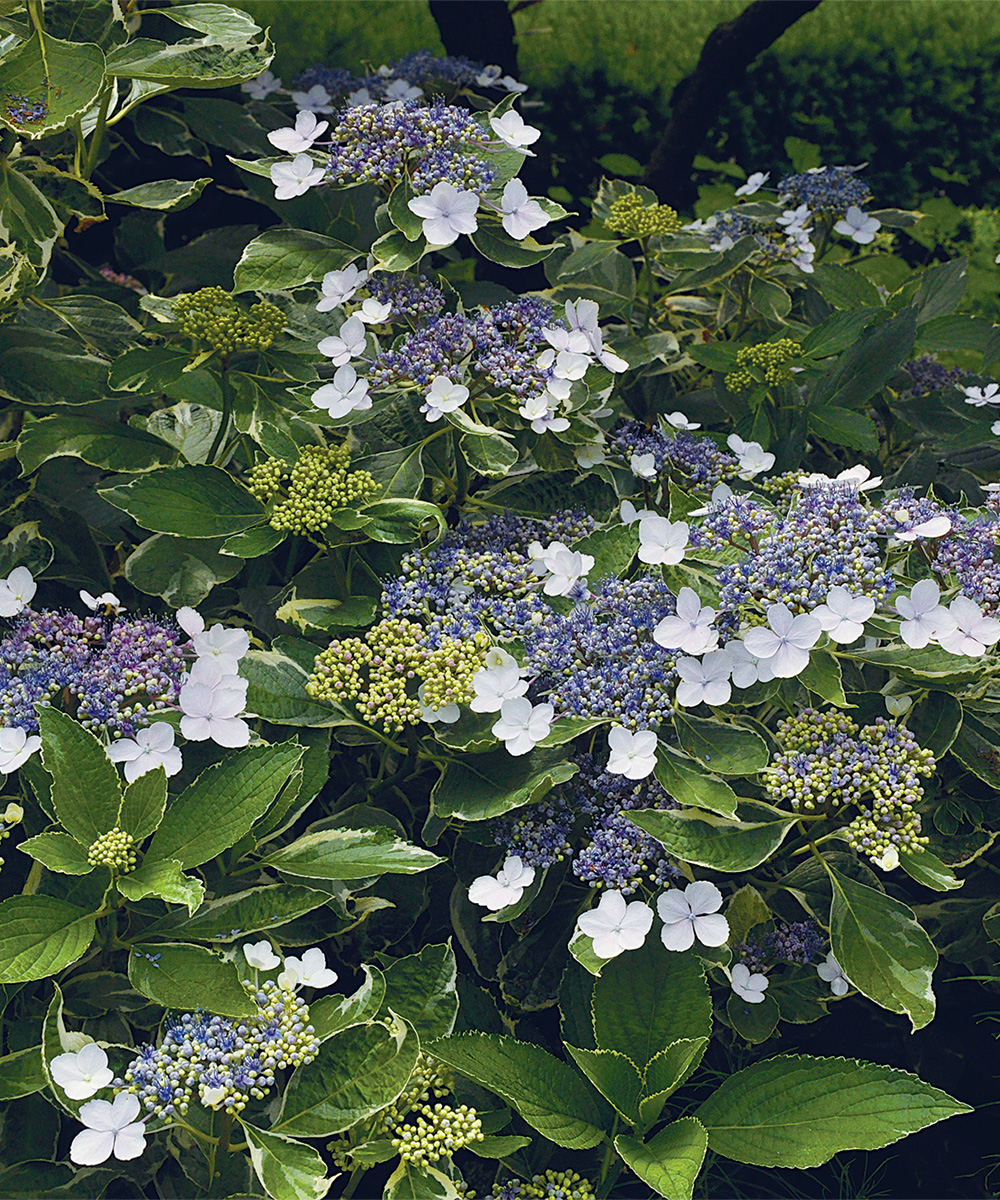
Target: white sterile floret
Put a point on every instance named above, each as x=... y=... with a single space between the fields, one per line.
x=104 y=600
x=615 y=926
x=503 y=889
x=888 y=860
x=971 y=631
x=859 y=477
x=16 y=748
x=444 y=714
x=589 y=454
x=190 y=620
x=339 y=286
x=643 y=466
x=843 y=615
x=347 y=343
x=607 y=358
x=630 y=514
x=374 y=312
x=521 y=214
x=747 y=669
x=260 y=955
x=662 y=541
x=898 y=706
x=447 y=212
x=211 y=713
x=574 y=340
x=794 y=219
x=151 y=747
x=582 y=314
x=690 y=629
x=720 y=493
x=692 y=913
x=223 y=646
x=83 y=1074
x=754 y=183
x=344 y=394
x=933 y=528
x=298 y=139
x=357 y=98
x=704 y=680
x=923 y=614
x=752 y=456
x=831 y=972
x=443 y=396
x=995 y=429
x=496 y=658
x=565 y=568
x=16 y=592
x=111 y=1129
x=489 y=76
x=310 y=970
x=749 y=986
x=295 y=178
x=262 y=86
x=632 y=754
x=523 y=725
x=677 y=420
x=495 y=685
x=978 y=396
x=512 y=85
x=316 y=99
x=858 y=226
x=511 y=129
x=786 y=641
x=401 y=89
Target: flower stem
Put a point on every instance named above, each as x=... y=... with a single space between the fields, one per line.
x=227 y=412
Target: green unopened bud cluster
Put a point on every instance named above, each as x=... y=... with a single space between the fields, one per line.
x=115 y=850
x=770 y=362
x=313 y=489
x=212 y=315
x=382 y=672
x=438 y=1132
x=553 y=1185
x=12 y=815
x=632 y=217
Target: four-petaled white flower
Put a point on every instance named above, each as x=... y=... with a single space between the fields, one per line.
x=260 y=955
x=995 y=429
x=489 y=76
x=677 y=420
x=643 y=466
x=374 y=312
x=662 y=541
x=582 y=314
x=970 y=632
x=692 y=913
x=339 y=286
x=16 y=592
x=347 y=343
x=106 y=600
x=503 y=889
x=446 y=212
x=922 y=614
x=82 y=1074
x=615 y=926
x=565 y=568
x=521 y=214
x=316 y=99
x=443 y=396
x=511 y=129
x=888 y=860
x=630 y=514
x=190 y=620
x=310 y=970
x=754 y=183
x=589 y=454
x=632 y=754
x=574 y=340
x=898 y=706
x=704 y=680
x=522 y=725
x=262 y=86
x=752 y=456
x=16 y=748
x=832 y=972
x=859 y=477
x=843 y=615
x=346 y=393
x=749 y=986
x=720 y=494
x=512 y=85
x=691 y=629
x=747 y=669
x=357 y=98
x=786 y=641
x=152 y=747
x=858 y=226
x=935 y=527
x=111 y=1129
x=495 y=685
x=402 y=89
x=295 y=178
x=225 y=647
x=978 y=396
x=211 y=713
x=298 y=139
x=542 y=411
x=794 y=219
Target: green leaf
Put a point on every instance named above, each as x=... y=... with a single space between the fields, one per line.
x=665 y=1074
x=281 y=259
x=620 y=164
x=649 y=999
x=401 y=521
x=222 y=803
x=928 y=869
x=488 y=454
x=53 y=1044
x=355 y=1073
x=232 y=918
x=65 y=78
x=769 y=299
x=164 y=195
x=488 y=785
x=864 y=368
x=669 y=1162
x=21 y=1074
x=163 y=879
x=181 y=570
x=794 y=1111
x=198 y=502
x=400 y=472
x=330 y=1014
x=143 y=804
x=421 y=988
x=253 y=543
x=401 y=215
x=882 y=949
x=975 y=747
x=147 y=369
x=494 y=243
x=724 y=747
x=753 y=1022
x=25 y=547
x=41 y=935
x=918 y=666
x=106 y=444
x=186 y=977
x=418 y=1181
x=942 y=286
x=58 y=852
x=287 y=1169
x=935 y=722
x=612 y=550
x=43 y=368
x=547 y=1092
x=394 y=251
x=351 y=854
x=566 y=729
x=616 y=1077
x=86 y=794
x=277 y=693
x=711 y=841
x=844 y=428
x=823 y=678
x=687 y=782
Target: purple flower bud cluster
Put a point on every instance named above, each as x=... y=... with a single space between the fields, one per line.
x=336 y=80
x=113 y=682
x=508 y=342
x=833 y=189
x=411 y=299
x=383 y=143
x=800 y=942
x=972 y=551
x=436 y=348
x=928 y=375
x=420 y=68
x=698 y=459
x=905 y=508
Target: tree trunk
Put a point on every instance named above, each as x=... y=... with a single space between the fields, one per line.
x=482 y=30
x=728 y=50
